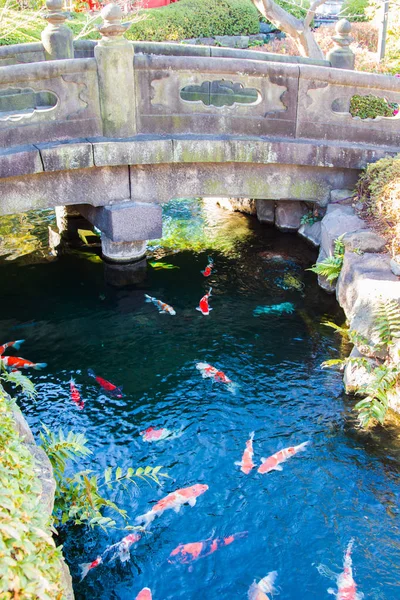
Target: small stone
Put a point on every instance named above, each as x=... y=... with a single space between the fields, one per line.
x=288 y=214
x=312 y=233
x=265 y=211
x=395 y=266
x=341 y=195
x=364 y=241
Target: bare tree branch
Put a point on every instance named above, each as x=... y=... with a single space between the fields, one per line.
x=311 y=12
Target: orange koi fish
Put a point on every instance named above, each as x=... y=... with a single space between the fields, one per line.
x=15 y=363
x=154 y=435
x=188 y=553
x=16 y=345
x=162 y=306
x=145 y=594
x=347 y=588
x=75 y=395
x=259 y=591
x=273 y=463
x=86 y=567
x=173 y=501
x=208 y=270
x=106 y=385
x=203 y=304
x=246 y=463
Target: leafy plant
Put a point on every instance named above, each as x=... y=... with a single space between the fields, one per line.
x=331 y=266
x=387 y=322
x=309 y=218
x=370 y=107
x=375 y=405
x=21 y=381
x=80 y=498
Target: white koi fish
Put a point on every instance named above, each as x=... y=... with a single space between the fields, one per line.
x=173 y=501
x=162 y=306
x=246 y=464
x=259 y=591
x=347 y=588
x=273 y=463
x=86 y=567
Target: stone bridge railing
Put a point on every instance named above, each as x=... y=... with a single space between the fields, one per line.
x=127 y=124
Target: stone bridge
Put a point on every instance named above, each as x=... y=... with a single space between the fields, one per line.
x=118 y=128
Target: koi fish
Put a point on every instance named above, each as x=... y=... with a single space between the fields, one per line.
x=259 y=591
x=16 y=345
x=162 y=307
x=173 y=501
x=188 y=553
x=208 y=270
x=203 y=304
x=154 y=435
x=347 y=588
x=75 y=395
x=207 y=370
x=106 y=385
x=246 y=463
x=145 y=594
x=86 y=567
x=121 y=549
x=273 y=462
x=15 y=363
x=274 y=309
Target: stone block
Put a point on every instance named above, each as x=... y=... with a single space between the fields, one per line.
x=63 y=156
x=311 y=233
x=340 y=195
x=242 y=41
x=226 y=41
x=338 y=221
x=265 y=211
x=288 y=215
x=206 y=41
x=22 y=160
x=364 y=241
x=126 y=221
x=138 y=151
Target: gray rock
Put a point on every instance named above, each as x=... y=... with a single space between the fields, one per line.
x=227 y=41
x=191 y=41
x=265 y=211
x=206 y=41
x=395 y=266
x=341 y=195
x=244 y=205
x=22 y=426
x=267 y=28
x=365 y=241
x=337 y=222
x=357 y=376
x=312 y=233
x=44 y=472
x=288 y=215
x=258 y=37
x=322 y=281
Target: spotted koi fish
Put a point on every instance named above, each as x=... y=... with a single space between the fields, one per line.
x=273 y=463
x=203 y=304
x=15 y=363
x=173 y=501
x=208 y=270
x=145 y=594
x=106 y=385
x=154 y=435
x=246 y=464
x=347 y=588
x=86 y=567
x=162 y=306
x=16 y=345
x=207 y=370
x=259 y=591
x=121 y=549
x=75 y=395
x=188 y=553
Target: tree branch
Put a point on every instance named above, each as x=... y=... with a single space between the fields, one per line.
x=311 y=12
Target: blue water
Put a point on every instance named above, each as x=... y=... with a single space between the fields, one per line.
x=346 y=484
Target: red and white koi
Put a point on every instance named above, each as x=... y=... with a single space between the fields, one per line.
x=162 y=306
x=246 y=464
x=203 y=304
x=121 y=549
x=259 y=591
x=15 y=363
x=208 y=270
x=273 y=463
x=347 y=588
x=75 y=395
x=173 y=501
x=16 y=345
x=188 y=553
x=207 y=370
x=144 y=594
x=106 y=385
x=86 y=567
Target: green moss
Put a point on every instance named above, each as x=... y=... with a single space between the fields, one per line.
x=30 y=562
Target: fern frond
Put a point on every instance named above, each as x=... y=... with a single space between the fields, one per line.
x=374 y=407
x=387 y=322
x=343 y=331
x=329 y=268
x=21 y=381
x=334 y=362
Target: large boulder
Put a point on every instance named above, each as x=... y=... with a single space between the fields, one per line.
x=265 y=211
x=311 y=233
x=364 y=240
x=288 y=214
x=338 y=221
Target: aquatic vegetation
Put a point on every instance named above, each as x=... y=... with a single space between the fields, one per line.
x=331 y=266
x=275 y=309
x=160 y=265
x=289 y=282
x=80 y=498
x=85 y=233
x=30 y=561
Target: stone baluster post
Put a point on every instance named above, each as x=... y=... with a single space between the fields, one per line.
x=57 y=38
x=114 y=56
x=341 y=56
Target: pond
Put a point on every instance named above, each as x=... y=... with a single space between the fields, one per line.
x=344 y=485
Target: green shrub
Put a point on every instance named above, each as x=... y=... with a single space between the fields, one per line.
x=331 y=266
x=196 y=18
x=354 y=10
x=369 y=107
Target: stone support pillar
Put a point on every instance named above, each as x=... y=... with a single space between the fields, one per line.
x=266 y=211
x=122 y=252
x=341 y=56
x=57 y=38
x=114 y=56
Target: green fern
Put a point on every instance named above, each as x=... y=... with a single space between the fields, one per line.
x=387 y=322
x=355 y=338
x=358 y=361
x=21 y=381
x=375 y=405
x=331 y=266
